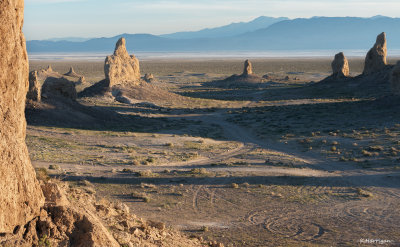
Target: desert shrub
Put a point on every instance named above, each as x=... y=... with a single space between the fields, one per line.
x=366 y=153
x=44 y=241
x=204 y=229
x=42 y=174
x=127 y=170
x=84 y=183
x=147 y=173
x=150 y=160
x=135 y=163
x=54 y=167
x=148 y=186
x=363 y=193
x=234 y=186
x=246 y=185
x=376 y=148
x=141 y=196
x=200 y=171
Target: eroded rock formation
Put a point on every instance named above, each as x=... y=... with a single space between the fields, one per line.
x=395 y=79
x=122 y=68
x=21 y=196
x=47 y=83
x=248 y=68
x=35 y=89
x=376 y=57
x=58 y=87
x=340 y=66
x=72 y=73
x=246 y=79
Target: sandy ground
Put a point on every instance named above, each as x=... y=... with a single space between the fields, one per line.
x=277 y=166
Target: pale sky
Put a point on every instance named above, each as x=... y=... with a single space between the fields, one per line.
x=105 y=18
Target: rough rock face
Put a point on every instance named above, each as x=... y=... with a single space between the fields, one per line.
x=59 y=87
x=340 y=66
x=21 y=196
x=376 y=57
x=248 y=68
x=122 y=68
x=395 y=79
x=35 y=89
x=73 y=217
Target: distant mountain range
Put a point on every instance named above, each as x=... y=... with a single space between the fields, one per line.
x=228 y=30
x=72 y=39
x=261 y=34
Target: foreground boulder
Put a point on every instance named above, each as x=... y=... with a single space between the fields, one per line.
x=122 y=68
x=72 y=216
x=395 y=79
x=340 y=66
x=21 y=196
x=376 y=57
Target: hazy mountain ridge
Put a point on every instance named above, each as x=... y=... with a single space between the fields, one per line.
x=327 y=33
x=315 y=33
x=230 y=30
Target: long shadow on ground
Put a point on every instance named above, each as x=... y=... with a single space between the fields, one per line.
x=133 y=179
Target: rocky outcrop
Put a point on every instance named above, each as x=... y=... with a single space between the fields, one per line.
x=47 y=83
x=376 y=57
x=148 y=77
x=244 y=80
x=72 y=73
x=35 y=89
x=80 y=78
x=248 y=68
x=58 y=87
x=395 y=79
x=73 y=217
x=21 y=196
x=340 y=66
x=122 y=68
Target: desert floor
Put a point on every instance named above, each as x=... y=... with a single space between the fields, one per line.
x=284 y=165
